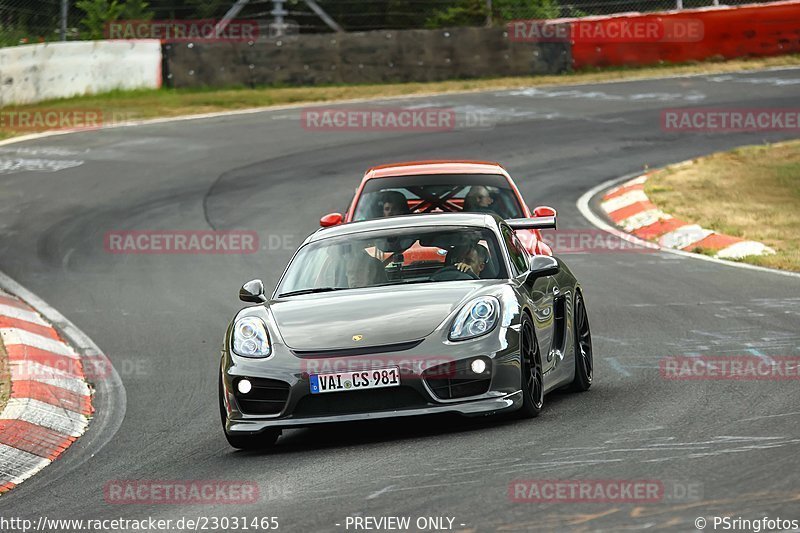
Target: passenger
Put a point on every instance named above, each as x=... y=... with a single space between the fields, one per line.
x=478 y=200
x=394 y=203
x=363 y=270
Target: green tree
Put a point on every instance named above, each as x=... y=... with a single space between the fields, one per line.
x=506 y=10
x=136 y=10
x=209 y=9
x=98 y=14
x=464 y=13
x=101 y=12
x=473 y=12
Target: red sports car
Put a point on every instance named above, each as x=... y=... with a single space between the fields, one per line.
x=443 y=186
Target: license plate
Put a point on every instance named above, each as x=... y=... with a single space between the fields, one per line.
x=345 y=381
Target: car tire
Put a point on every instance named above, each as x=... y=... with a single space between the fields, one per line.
x=531 y=371
x=258 y=441
x=584 y=358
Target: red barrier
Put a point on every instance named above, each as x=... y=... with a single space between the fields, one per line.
x=727 y=32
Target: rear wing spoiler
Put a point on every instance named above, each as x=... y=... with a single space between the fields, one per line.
x=532 y=223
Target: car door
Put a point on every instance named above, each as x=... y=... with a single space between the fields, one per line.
x=540 y=292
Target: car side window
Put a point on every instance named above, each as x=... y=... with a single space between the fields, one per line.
x=524 y=251
x=519 y=259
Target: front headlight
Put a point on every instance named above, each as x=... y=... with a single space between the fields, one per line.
x=250 y=337
x=476 y=318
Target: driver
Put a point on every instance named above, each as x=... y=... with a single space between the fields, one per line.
x=478 y=200
x=463 y=263
x=473 y=260
x=394 y=203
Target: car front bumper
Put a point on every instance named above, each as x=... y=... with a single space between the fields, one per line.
x=301 y=408
x=482 y=407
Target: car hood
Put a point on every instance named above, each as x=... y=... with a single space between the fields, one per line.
x=380 y=315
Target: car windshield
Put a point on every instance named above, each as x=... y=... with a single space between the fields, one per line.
x=394 y=257
x=401 y=195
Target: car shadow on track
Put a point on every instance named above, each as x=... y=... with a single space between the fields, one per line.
x=402 y=428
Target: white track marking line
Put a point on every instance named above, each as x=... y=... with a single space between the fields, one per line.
x=378 y=493
x=764 y=357
x=743 y=249
x=18 y=465
x=21 y=336
x=616 y=365
x=796 y=413
x=43 y=414
x=32 y=371
x=624 y=200
x=642 y=219
x=28 y=369
x=684 y=236
x=21 y=314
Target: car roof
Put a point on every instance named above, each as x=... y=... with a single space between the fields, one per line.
x=412 y=168
x=432 y=220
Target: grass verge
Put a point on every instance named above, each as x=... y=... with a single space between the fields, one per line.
x=144 y=104
x=752 y=192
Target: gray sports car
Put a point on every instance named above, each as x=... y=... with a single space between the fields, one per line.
x=402 y=316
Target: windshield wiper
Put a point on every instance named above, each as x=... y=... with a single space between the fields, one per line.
x=400 y=283
x=311 y=291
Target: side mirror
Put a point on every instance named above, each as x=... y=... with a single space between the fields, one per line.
x=544 y=211
x=543 y=265
x=253 y=291
x=331 y=219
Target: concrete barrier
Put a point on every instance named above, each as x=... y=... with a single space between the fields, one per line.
x=363 y=57
x=57 y=70
x=37 y=72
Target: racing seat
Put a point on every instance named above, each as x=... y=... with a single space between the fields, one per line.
x=366 y=270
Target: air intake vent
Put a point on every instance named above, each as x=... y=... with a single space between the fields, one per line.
x=267 y=397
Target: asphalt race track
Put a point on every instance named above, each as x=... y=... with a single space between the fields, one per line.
x=161 y=318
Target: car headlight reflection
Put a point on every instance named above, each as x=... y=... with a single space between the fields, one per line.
x=250 y=337
x=476 y=318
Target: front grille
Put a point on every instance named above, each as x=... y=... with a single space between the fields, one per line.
x=449 y=389
x=365 y=350
x=267 y=397
x=454 y=380
x=365 y=401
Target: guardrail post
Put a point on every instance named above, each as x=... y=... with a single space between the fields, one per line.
x=64 y=6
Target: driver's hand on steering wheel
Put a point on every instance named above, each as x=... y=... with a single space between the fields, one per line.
x=463 y=267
